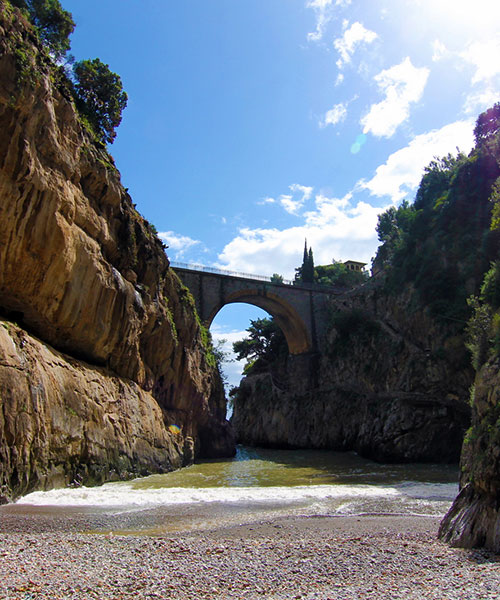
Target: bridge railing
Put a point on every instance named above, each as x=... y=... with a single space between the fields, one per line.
x=196 y=267
x=205 y=269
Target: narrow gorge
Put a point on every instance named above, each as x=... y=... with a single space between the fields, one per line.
x=406 y=358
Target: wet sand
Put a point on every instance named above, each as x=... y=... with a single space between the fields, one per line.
x=45 y=556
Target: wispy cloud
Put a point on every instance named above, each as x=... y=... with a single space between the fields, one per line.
x=335 y=115
x=353 y=36
x=402 y=171
x=484 y=56
x=225 y=338
x=266 y=200
x=478 y=101
x=323 y=9
x=178 y=244
x=439 y=51
x=291 y=203
x=402 y=84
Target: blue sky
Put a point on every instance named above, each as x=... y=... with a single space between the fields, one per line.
x=253 y=124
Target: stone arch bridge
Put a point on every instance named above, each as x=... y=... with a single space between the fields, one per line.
x=297 y=309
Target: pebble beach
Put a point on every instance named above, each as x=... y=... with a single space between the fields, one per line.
x=320 y=558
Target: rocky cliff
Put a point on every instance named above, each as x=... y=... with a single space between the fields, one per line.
x=388 y=382
x=101 y=350
x=474 y=518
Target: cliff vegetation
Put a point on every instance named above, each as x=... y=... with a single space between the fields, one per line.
x=474 y=518
x=392 y=372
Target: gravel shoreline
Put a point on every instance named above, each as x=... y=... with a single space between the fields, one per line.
x=318 y=558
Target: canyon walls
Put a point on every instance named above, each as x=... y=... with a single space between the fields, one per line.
x=86 y=287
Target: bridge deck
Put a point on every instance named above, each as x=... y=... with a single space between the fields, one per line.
x=259 y=279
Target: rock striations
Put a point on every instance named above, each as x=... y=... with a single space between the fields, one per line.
x=100 y=350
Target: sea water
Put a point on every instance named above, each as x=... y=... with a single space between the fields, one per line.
x=258 y=484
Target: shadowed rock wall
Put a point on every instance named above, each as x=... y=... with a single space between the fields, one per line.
x=388 y=382
x=474 y=518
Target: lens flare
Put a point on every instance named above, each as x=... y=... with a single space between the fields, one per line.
x=175 y=429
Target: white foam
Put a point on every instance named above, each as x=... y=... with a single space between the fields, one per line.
x=428 y=491
x=125 y=495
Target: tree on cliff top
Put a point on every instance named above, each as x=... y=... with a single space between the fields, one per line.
x=487 y=124
x=305 y=273
x=54 y=24
x=100 y=96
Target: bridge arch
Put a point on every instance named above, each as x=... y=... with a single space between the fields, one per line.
x=296 y=309
x=286 y=316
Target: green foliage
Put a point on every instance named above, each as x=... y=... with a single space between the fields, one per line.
x=352 y=325
x=187 y=298
x=265 y=343
x=206 y=340
x=338 y=274
x=442 y=244
x=495 y=206
x=276 y=278
x=54 y=24
x=487 y=124
x=478 y=332
x=490 y=289
x=171 y=320
x=100 y=96
x=26 y=71
x=436 y=181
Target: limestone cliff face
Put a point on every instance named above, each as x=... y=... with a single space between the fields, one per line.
x=81 y=270
x=387 y=382
x=474 y=518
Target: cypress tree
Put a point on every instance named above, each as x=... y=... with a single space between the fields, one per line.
x=308 y=267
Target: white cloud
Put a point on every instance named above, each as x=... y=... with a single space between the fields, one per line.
x=402 y=85
x=323 y=15
x=484 y=56
x=356 y=35
x=402 y=171
x=266 y=200
x=335 y=115
x=292 y=204
x=231 y=367
x=305 y=190
x=439 y=51
x=334 y=229
x=321 y=7
x=479 y=101
x=179 y=244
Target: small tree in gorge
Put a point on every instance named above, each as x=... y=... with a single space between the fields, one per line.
x=265 y=342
